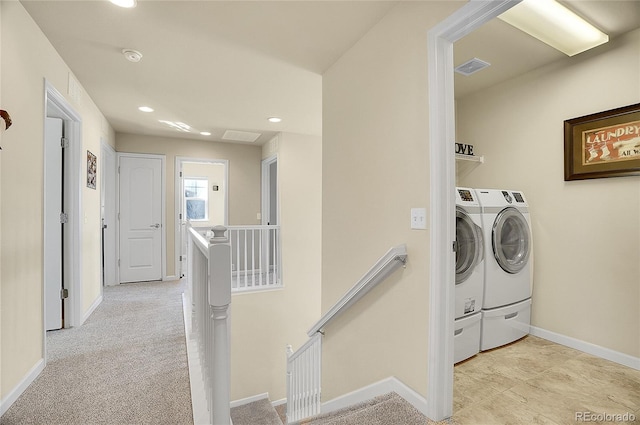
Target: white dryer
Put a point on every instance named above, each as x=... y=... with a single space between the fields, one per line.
x=469 y=274
x=506 y=308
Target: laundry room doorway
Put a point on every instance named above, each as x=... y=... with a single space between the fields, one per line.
x=442 y=185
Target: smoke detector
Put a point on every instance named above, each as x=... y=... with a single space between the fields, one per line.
x=132 y=55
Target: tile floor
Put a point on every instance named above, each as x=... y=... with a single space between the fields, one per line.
x=535 y=381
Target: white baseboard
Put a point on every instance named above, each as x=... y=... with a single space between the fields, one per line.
x=13 y=395
x=243 y=401
x=95 y=305
x=279 y=402
x=170 y=278
x=385 y=386
x=587 y=347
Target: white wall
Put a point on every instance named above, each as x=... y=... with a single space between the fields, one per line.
x=375 y=169
x=27 y=60
x=586 y=233
x=264 y=323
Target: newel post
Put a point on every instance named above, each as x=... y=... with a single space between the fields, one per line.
x=219 y=301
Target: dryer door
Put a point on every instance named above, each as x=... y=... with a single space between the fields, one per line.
x=511 y=241
x=469 y=250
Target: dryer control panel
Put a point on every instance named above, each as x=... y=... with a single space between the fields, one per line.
x=518 y=197
x=465 y=195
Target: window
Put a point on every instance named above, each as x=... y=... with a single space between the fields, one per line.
x=196 y=198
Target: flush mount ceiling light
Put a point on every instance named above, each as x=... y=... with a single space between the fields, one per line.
x=471 y=66
x=275 y=119
x=205 y=133
x=124 y=3
x=145 y=109
x=132 y=55
x=555 y=25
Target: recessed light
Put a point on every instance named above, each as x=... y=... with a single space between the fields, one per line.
x=132 y=55
x=124 y=3
x=275 y=119
x=205 y=133
x=180 y=126
x=145 y=109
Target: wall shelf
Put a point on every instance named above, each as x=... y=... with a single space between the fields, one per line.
x=470 y=158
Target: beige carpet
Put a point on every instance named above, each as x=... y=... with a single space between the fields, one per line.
x=257 y=413
x=126 y=365
x=388 y=409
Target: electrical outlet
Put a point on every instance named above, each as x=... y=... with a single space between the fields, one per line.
x=418 y=218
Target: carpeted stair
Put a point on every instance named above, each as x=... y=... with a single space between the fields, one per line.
x=256 y=413
x=388 y=409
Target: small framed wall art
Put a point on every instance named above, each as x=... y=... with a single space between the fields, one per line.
x=92 y=169
x=605 y=144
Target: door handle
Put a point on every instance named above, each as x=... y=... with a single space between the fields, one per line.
x=155 y=226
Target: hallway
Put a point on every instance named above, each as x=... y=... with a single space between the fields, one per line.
x=127 y=364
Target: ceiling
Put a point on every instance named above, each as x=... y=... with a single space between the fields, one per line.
x=511 y=52
x=230 y=65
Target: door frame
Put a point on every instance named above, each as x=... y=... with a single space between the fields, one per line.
x=163 y=203
x=55 y=105
x=108 y=197
x=178 y=197
x=266 y=185
x=442 y=169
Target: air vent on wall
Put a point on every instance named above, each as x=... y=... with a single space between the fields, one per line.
x=471 y=66
x=240 y=136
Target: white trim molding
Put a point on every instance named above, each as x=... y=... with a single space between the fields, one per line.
x=385 y=386
x=179 y=162
x=440 y=41
x=56 y=105
x=247 y=400
x=17 y=391
x=91 y=309
x=587 y=347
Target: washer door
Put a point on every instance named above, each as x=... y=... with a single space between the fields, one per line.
x=469 y=244
x=511 y=241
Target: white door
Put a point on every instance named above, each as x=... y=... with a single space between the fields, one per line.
x=52 y=226
x=140 y=218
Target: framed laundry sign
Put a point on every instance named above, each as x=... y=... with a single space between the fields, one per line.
x=605 y=144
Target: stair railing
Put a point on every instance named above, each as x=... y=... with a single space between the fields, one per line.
x=304 y=366
x=255 y=258
x=209 y=278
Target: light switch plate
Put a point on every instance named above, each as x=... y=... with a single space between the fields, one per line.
x=419 y=218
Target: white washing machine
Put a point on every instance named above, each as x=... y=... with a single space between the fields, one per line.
x=469 y=274
x=506 y=308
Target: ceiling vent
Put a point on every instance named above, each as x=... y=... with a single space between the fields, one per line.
x=471 y=66
x=240 y=136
